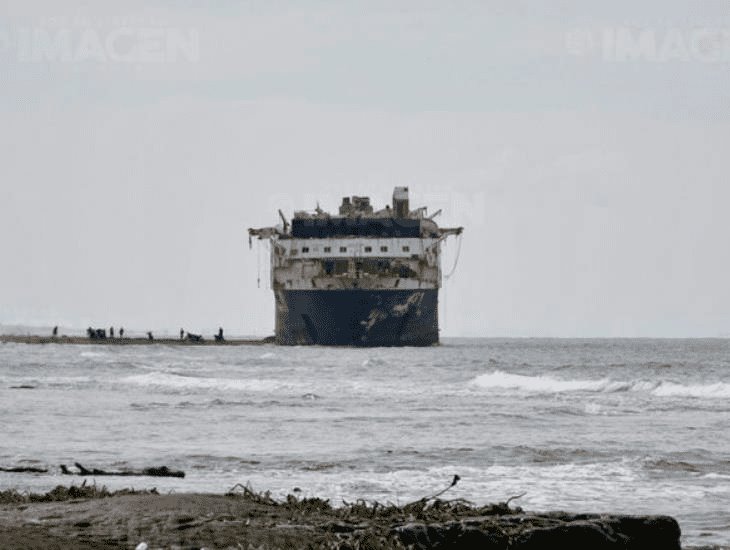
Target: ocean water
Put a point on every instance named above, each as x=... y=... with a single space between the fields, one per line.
x=625 y=426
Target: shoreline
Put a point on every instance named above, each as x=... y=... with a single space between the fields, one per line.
x=129 y=341
x=86 y=516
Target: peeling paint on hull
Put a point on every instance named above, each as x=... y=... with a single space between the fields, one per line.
x=357 y=317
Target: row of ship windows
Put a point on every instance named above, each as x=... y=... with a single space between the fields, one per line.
x=343 y=249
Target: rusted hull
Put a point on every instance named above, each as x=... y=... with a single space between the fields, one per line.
x=357 y=317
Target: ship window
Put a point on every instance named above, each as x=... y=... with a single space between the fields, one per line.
x=368 y=249
x=328 y=249
x=384 y=249
x=305 y=249
x=406 y=249
x=343 y=249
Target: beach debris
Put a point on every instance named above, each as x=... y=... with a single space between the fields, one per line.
x=62 y=493
x=156 y=471
x=22 y=387
x=248 y=493
x=195 y=337
x=453 y=482
x=141 y=546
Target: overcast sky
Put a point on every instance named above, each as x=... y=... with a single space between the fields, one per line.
x=583 y=146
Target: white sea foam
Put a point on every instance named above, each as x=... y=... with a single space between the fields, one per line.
x=538 y=384
x=192 y=383
x=594 y=409
x=715 y=475
x=670 y=389
x=546 y=384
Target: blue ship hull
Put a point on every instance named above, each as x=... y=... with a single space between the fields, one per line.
x=357 y=317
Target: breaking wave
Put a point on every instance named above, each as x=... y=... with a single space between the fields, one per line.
x=543 y=384
x=716 y=390
x=546 y=384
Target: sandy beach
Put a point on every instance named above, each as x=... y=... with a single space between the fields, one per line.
x=85 y=517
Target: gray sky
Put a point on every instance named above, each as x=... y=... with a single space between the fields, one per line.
x=583 y=147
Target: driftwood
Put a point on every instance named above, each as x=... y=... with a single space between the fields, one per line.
x=158 y=471
x=24 y=470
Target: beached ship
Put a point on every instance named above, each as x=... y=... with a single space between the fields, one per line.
x=360 y=278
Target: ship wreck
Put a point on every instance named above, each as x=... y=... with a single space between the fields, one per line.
x=359 y=278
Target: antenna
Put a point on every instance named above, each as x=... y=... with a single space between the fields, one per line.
x=283 y=219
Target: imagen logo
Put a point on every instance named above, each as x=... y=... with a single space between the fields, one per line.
x=113 y=45
x=628 y=44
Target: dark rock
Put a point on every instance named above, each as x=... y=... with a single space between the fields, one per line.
x=419 y=536
x=473 y=537
x=577 y=534
x=649 y=531
x=537 y=532
x=450 y=535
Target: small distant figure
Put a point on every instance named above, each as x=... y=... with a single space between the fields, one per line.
x=149 y=335
x=121 y=332
x=111 y=332
x=219 y=336
x=182 y=334
x=195 y=337
x=55 y=331
x=96 y=333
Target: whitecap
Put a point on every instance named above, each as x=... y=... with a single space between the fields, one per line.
x=545 y=384
x=672 y=389
x=538 y=384
x=594 y=409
